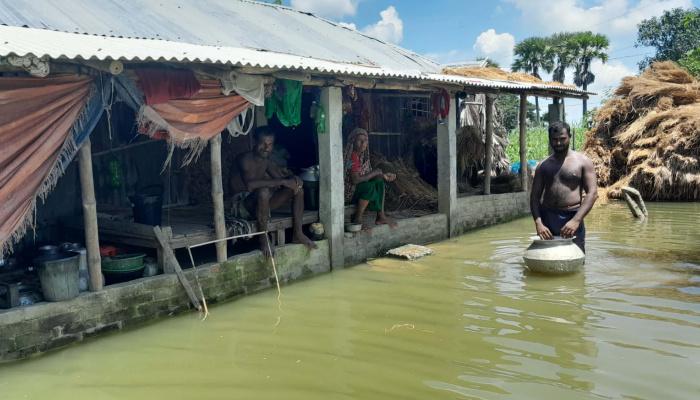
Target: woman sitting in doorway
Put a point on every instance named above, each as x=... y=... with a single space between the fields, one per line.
x=364 y=186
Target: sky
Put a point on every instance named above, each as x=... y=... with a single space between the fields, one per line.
x=450 y=31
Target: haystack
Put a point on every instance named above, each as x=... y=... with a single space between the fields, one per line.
x=409 y=191
x=648 y=135
x=497 y=74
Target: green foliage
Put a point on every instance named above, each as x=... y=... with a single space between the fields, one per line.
x=588 y=47
x=508 y=106
x=531 y=55
x=673 y=34
x=691 y=62
x=563 y=52
x=538 y=142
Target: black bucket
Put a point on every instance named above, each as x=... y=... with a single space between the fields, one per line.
x=147 y=205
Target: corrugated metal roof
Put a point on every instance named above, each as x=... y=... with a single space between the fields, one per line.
x=220 y=23
x=234 y=32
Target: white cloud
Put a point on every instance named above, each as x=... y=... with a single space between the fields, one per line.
x=496 y=46
x=613 y=17
x=389 y=28
x=327 y=8
x=349 y=25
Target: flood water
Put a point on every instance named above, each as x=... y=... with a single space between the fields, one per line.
x=465 y=323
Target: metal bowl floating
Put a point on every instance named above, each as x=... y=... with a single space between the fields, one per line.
x=557 y=256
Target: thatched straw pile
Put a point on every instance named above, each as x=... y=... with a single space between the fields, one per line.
x=648 y=136
x=497 y=74
x=409 y=191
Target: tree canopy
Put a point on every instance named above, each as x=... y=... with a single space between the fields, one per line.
x=674 y=34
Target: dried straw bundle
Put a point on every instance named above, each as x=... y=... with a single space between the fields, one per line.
x=649 y=136
x=497 y=74
x=409 y=190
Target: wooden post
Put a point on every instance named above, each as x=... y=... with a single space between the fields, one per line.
x=447 y=165
x=523 y=142
x=217 y=195
x=488 y=163
x=92 y=241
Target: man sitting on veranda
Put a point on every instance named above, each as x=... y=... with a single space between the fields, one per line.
x=270 y=187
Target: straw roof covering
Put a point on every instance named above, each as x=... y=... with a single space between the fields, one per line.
x=497 y=74
x=648 y=135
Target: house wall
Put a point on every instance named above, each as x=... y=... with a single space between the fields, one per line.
x=33 y=329
x=478 y=211
x=360 y=246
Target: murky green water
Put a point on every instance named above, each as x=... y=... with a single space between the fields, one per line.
x=464 y=323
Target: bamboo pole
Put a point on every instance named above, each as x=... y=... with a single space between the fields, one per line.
x=175 y=265
x=217 y=194
x=523 y=142
x=92 y=242
x=488 y=163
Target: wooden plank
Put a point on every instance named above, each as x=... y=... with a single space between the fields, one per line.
x=171 y=260
x=92 y=241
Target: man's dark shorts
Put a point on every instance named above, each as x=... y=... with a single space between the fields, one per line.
x=556 y=219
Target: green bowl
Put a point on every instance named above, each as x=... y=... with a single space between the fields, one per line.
x=123 y=263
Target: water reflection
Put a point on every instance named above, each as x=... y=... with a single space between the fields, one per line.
x=468 y=322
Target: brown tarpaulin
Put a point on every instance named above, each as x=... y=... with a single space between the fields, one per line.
x=190 y=123
x=36 y=117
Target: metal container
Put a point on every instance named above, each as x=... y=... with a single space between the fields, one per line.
x=311 y=176
x=556 y=256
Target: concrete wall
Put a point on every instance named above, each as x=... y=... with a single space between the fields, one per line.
x=28 y=330
x=477 y=211
x=422 y=230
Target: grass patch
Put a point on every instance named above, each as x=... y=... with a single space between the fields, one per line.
x=538 y=143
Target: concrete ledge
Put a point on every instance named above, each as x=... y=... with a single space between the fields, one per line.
x=421 y=230
x=478 y=211
x=25 y=331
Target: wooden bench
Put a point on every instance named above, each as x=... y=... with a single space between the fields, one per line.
x=183 y=226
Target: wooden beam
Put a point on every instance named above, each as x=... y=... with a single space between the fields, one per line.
x=488 y=162
x=171 y=260
x=92 y=241
x=523 y=142
x=217 y=195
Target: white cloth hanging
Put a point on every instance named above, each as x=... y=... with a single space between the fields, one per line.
x=250 y=87
x=242 y=124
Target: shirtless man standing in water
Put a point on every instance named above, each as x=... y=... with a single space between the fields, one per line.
x=557 y=202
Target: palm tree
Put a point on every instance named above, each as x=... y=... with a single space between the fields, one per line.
x=589 y=46
x=531 y=55
x=564 y=52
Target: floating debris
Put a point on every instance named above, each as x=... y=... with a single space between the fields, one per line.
x=410 y=251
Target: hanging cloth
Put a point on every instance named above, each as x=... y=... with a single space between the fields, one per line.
x=162 y=84
x=242 y=124
x=251 y=87
x=37 y=118
x=190 y=123
x=285 y=102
